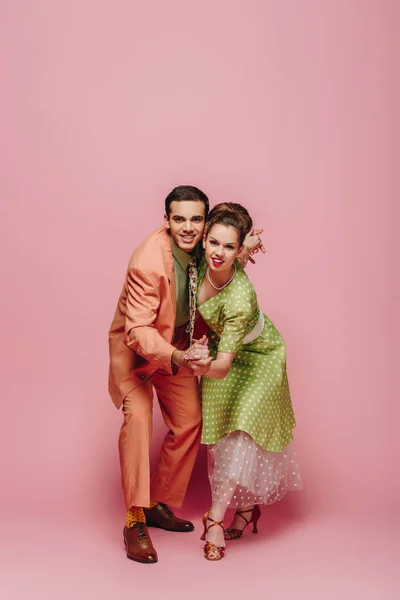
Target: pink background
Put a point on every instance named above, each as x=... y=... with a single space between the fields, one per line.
x=288 y=107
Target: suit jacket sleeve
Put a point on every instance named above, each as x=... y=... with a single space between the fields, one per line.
x=142 y=306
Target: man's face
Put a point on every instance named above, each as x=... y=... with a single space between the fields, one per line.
x=186 y=223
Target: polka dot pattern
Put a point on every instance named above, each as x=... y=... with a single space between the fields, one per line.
x=254 y=397
x=134 y=515
x=242 y=474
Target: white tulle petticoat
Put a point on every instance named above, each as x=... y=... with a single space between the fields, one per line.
x=242 y=473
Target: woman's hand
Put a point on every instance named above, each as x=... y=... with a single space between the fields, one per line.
x=251 y=245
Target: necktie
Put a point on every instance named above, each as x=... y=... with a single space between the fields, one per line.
x=192 y=270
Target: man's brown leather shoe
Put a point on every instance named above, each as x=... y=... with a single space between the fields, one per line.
x=138 y=544
x=162 y=516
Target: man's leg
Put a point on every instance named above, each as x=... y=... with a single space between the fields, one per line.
x=178 y=396
x=134 y=447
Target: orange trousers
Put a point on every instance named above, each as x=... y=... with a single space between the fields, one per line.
x=180 y=407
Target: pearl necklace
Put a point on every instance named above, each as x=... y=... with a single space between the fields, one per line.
x=225 y=284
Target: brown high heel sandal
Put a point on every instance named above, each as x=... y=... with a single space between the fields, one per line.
x=212 y=551
x=234 y=534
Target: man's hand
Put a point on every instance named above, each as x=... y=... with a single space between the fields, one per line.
x=251 y=245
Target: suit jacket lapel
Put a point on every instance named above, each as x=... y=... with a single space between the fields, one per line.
x=169 y=266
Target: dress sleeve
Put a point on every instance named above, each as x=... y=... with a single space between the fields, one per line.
x=234 y=329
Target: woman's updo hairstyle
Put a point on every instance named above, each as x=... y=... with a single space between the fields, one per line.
x=230 y=214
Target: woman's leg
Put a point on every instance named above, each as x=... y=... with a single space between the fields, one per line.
x=215 y=533
x=222 y=490
x=243 y=517
x=216 y=514
x=231 y=472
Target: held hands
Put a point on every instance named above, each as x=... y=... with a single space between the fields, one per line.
x=198 y=350
x=196 y=359
x=251 y=245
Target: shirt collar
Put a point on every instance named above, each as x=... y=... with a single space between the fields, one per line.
x=180 y=255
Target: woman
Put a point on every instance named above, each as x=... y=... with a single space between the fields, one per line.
x=247 y=412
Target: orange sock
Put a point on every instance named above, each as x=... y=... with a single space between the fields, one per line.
x=134 y=515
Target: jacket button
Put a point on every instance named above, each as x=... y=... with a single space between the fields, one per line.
x=143 y=377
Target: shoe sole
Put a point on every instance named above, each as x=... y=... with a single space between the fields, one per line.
x=143 y=562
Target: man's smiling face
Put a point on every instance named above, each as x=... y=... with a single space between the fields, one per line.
x=186 y=223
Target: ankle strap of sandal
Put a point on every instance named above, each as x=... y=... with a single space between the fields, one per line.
x=240 y=513
x=220 y=523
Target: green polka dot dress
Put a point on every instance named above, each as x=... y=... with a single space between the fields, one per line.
x=254 y=396
x=247 y=417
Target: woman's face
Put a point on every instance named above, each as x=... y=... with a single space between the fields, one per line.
x=221 y=245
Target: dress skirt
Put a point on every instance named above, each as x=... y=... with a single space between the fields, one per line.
x=242 y=473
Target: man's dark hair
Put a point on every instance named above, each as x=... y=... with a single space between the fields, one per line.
x=188 y=193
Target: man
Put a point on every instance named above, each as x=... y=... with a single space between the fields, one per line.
x=148 y=338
